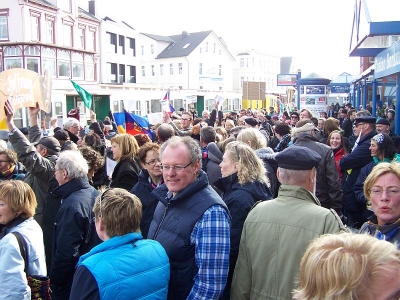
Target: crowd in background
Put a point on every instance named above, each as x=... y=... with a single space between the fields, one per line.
x=217 y=205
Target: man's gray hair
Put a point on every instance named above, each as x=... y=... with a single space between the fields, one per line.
x=73 y=163
x=191 y=144
x=70 y=122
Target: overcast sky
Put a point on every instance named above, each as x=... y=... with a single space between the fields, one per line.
x=315 y=32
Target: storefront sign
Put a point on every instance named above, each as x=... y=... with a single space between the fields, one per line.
x=286 y=79
x=388 y=61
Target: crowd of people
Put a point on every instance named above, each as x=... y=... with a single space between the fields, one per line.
x=247 y=204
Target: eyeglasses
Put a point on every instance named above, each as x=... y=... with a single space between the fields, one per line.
x=152 y=162
x=166 y=168
x=185 y=119
x=4 y=161
x=390 y=192
x=355 y=126
x=237 y=151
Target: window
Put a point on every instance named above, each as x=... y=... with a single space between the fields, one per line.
x=131 y=47
x=132 y=74
x=143 y=71
x=121 y=44
x=200 y=69
x=32 y=63
x=68 y=35
x=171 y=69
x=89 y=67
x=63 y=60
x=201 y=49
x=77 y=65
x=152 y=48
x=142 y=48
x=35 y=26
x=200 y=87
x=215 y=47
x=112 y=42
x=91 y=40
x=161 y=69
x=11 y=60
x=206 y=46
x=49 y=61
x=153 y=73
x=4 y=25
x=220 y=70
x=121 y=77
x=180 y=68
x=219 y=51
x=242 y=62
x=112 y=72
x=81 y=32
x=50 y=31
x=187 y=45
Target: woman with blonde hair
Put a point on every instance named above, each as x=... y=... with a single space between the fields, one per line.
x=257 y=141
x=17 y=207
x=349 y=266
x=125 y=150
x=243 y=183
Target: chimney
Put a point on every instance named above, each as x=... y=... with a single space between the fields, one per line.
x=92 y=7
x=184 y=34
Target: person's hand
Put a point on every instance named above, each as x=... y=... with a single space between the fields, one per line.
x=92 y=116
x=34 y=111
x=166 y=117
x=216 y=105
x=9 y=112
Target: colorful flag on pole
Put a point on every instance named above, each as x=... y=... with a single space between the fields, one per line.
x=166 y=97
x=132 y=124
x=85 y=95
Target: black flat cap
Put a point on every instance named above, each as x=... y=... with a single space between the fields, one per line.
x=365 y=119
x=298 y=158
x=251 y=121
x=49 y=142
x=383 y=121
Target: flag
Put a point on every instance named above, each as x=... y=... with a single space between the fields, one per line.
x=281 y=108
x=132 y=124
x=166 y=97
x=85 y=95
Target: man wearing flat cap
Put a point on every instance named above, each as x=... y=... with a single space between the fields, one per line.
x=328 y=187
x=355 y=212
x=38 y=155
x=383 y=126
x=276 y=233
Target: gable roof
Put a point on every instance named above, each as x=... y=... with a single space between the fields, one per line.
x=158 y=38
x=183 y=44
x=87 y=15
x=44 y=3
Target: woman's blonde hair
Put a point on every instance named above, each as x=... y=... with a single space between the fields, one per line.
x=343 y=266
x=119 y=210
x=127 y=144
x=19 y=196
x=254 y=136
x=250 y=166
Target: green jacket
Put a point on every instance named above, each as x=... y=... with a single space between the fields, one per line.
x=275 y=236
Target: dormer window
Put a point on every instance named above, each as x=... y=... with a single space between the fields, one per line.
x=187 y=45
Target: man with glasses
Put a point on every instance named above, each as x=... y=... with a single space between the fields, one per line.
x=351 y=164
x=294 y=118
x=73 y=127
x=74 y=226
x=186 y=124
x=192 y=223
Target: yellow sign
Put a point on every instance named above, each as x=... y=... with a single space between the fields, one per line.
x=23 y=88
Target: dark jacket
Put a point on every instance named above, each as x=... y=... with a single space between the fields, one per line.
x=351 y=166
x=347 y=127
x=240 y=199
x=390 y=232
x=73 y=137
x=143 y=190
x=328 y=188
x=126 y=174
x=172 y=225
x=40 y=169
x=18 y=173
x=74 y=232
x=211 y=164
x=271 y=166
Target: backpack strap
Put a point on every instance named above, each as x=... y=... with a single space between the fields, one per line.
x=22 y=248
